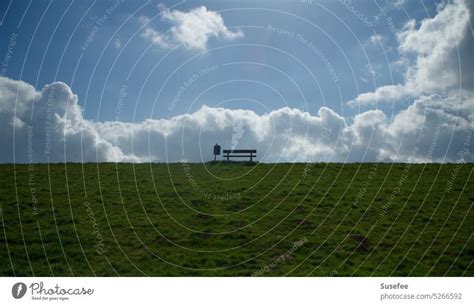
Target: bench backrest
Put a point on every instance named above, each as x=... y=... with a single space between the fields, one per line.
x=240 y=151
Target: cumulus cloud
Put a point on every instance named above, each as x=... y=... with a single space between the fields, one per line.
x=278 y=135
x=376 y=39
x=48 y=126
x=383 y=93
x=437 y=128
x=190 y=29
x=437 y=42
x=398 y=3
x=438 y=51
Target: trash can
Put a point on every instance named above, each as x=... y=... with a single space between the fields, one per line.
x=217 y=151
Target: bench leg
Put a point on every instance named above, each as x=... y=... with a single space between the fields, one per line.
x=250 y=158
x=227 y=157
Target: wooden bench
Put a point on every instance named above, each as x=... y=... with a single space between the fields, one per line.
x=240 y=153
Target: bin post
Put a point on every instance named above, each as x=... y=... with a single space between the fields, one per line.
x=217 y=151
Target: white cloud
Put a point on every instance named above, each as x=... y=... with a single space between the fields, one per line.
x=57 y=132
x=381 y=94
x=439 y=128
x=376 y=39
x=191 y=29
x=398 y=3
x=190 y=137
x=156 y=38
x=436 y=42
x=442 y=47
x=438 y=125
x=49 y=124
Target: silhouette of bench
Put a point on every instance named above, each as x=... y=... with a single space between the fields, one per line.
x=240 y=153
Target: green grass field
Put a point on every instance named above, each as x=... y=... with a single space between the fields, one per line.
x=237 y=219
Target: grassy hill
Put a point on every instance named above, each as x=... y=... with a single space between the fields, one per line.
x=236 y=219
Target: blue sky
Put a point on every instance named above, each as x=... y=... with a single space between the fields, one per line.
x=59 y=43
x=379 y=74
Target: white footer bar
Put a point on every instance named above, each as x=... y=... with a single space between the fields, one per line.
x=236 y=291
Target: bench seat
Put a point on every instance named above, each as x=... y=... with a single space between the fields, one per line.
x=240 y=153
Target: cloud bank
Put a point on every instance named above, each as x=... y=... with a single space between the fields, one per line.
x=48 y=126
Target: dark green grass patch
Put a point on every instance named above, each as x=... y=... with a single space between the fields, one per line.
x=236 y=219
